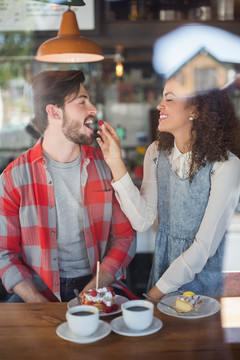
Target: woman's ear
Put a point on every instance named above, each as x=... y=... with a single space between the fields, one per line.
x=54 y=112
x=194 y=115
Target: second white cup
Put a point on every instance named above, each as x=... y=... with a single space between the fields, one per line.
x=137 y=314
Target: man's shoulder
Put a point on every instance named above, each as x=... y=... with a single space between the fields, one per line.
x=20 y=160
x=25 y=158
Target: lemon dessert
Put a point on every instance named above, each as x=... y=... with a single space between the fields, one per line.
x=188 y=301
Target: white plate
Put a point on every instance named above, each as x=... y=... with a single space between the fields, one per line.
x=119 y=327
x=209 y=307
x=65 y=333
x=118 y=299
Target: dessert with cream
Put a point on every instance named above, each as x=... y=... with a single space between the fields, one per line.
x=188 y=301
x=102 y=298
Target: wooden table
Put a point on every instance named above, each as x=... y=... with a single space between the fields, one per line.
x=28 y=332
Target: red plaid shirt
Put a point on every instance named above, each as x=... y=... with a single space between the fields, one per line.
x=28 y=233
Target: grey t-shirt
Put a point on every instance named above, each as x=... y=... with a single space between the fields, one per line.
x=72 y=252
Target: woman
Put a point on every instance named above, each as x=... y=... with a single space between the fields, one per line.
x=192 y=180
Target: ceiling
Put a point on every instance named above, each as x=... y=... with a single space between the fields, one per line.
x=137 y=37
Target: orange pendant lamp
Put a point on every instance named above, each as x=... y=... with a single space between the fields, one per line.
x=69 y=46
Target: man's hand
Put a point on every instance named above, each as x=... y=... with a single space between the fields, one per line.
x=105 y=279
x=28 y=292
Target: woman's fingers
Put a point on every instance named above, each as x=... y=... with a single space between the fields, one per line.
x=109 y=142
x=109 y=131
x=103 y=136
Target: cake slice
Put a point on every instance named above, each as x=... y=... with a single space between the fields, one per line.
x=188 y=301
x=102 y=298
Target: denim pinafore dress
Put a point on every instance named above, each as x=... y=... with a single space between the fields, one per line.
x=181 y=207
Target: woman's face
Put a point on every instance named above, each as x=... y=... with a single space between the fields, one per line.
x=174 y=112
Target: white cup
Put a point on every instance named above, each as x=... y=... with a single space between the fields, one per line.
x=137 y=314
x=83 y=320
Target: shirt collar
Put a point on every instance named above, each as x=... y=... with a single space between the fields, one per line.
x=36 y=152
x=176 y=153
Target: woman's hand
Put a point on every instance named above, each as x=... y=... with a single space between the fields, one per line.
x=156 y=293
x=110 y=142
x=110 y=146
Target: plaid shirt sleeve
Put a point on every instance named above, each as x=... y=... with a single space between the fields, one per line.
x=11 y=267
x=27 y=226
x=123 y=243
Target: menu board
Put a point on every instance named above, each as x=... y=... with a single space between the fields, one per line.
x=31 y=15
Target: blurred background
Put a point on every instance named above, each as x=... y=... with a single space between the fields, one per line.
x=143 y=43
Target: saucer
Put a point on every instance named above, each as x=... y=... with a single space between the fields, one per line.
x=209 y=307
x=119 y=327
x=65 y=333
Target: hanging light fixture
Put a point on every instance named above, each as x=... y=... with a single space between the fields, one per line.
x=119 y=69
x=118 y=58
x=69 y=46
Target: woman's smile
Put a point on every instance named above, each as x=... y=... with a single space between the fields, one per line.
x=162 y=117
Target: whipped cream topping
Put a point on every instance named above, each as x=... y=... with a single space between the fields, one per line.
x=103 y=294
x=193 y=300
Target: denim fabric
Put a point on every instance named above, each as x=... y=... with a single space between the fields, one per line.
x=15 y=299
x=67 y=285
x=181 y=207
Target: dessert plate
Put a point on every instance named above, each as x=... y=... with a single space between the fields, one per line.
x=209 y=307
x=65 y=333
x=118 y=299
x=119 y=327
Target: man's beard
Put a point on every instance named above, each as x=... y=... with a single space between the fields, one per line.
x=71 y=132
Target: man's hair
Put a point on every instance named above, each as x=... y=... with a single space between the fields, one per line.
x=53 y=87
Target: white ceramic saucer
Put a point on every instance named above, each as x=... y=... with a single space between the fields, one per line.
x=119 y=327
x=209 y=307
x=65 y=333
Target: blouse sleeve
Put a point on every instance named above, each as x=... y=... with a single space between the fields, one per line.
x=223 y=199
x=140 y=206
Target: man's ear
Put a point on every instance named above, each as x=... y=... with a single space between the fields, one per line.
x=54 y=112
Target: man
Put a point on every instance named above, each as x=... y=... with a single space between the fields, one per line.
x=58 y=212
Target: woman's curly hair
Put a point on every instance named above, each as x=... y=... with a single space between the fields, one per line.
x=215 y=130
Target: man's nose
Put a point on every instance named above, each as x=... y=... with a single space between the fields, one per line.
x=93 y=110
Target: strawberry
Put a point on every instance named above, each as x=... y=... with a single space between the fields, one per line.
x=114 y=307
x=93 y=293
x=107 y=309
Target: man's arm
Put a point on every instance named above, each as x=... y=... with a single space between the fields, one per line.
x=15 y=275
x=28 y=292
x=122 y=244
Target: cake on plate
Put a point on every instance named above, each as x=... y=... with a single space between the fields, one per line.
x=188 y=301
x=102 y=298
